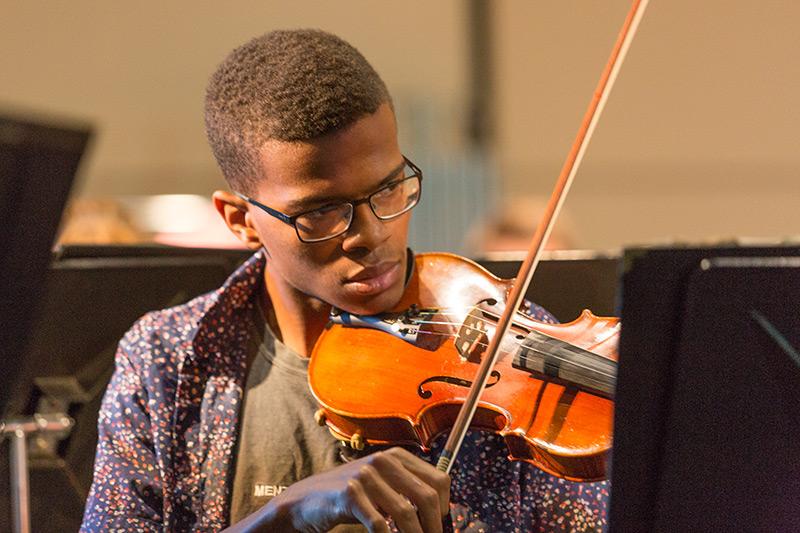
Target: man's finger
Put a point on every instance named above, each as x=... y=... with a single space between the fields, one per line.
x=363 y=510
x=390 y=494
x=429 y=503
x=427 y=473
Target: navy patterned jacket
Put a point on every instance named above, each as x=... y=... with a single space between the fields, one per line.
x=168 y=428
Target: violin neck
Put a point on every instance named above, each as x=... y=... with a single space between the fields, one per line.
x=567 y=364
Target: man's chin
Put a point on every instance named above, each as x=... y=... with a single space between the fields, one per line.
x=375 y=305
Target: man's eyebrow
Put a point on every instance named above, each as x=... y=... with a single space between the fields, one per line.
x=312 y=202
x=393 y=174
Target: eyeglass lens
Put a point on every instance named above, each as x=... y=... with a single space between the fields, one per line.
x=389 y=202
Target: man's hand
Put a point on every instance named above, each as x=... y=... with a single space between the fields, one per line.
x=389 y=484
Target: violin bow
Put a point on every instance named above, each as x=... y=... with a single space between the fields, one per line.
x=542 y=233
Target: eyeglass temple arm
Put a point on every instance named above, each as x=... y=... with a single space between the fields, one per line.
x=277 y=214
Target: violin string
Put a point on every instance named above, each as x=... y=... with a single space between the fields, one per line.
x=497 y=316
x=485 y=321
x=525 y=358
x=488 y=322
x=461 y=325
x=556 y=357
x=460 y=313
x=436 y=322
x=489 y=313
x=460 y=310
x=516 y=344
x=521 y=344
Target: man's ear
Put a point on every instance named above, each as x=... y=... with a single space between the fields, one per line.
x=233 y=211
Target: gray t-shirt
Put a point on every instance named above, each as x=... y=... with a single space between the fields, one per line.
x=279 y=441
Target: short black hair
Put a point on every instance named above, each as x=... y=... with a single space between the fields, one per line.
x=293 y=85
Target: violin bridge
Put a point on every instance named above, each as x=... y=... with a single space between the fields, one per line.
x=472 y=338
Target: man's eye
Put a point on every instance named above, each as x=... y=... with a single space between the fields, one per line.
x=324 y=212
x=390 y=189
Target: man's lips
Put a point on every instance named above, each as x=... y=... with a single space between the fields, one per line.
x=376 y=278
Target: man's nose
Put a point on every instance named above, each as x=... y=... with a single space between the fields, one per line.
x=366 y=230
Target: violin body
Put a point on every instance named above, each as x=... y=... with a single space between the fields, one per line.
x=377 y=388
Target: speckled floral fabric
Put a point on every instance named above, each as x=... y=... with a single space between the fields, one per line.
x=167 y=433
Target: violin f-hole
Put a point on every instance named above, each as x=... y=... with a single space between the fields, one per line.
x=425 y=393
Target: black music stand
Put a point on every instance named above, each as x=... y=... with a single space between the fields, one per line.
x=38 y=162
x=92 y=296
x=707 y=420
x=566 y=283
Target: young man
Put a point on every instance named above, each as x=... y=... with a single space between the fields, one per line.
x=208 y=420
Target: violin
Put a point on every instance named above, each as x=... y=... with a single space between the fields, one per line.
x=400 y=378
x=456 y=353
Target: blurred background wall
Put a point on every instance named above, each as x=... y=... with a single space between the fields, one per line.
x=698 y=141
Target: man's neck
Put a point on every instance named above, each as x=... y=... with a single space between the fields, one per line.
x=297 y=319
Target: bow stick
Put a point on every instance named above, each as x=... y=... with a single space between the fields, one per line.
x=542 y=233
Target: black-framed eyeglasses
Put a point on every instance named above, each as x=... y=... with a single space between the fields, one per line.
x=329 y=221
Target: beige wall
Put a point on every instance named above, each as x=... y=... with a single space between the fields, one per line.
x=699 y=139
x=138 y=71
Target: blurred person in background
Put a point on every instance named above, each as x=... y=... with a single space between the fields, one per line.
x=510 y=227
x=98 y=221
